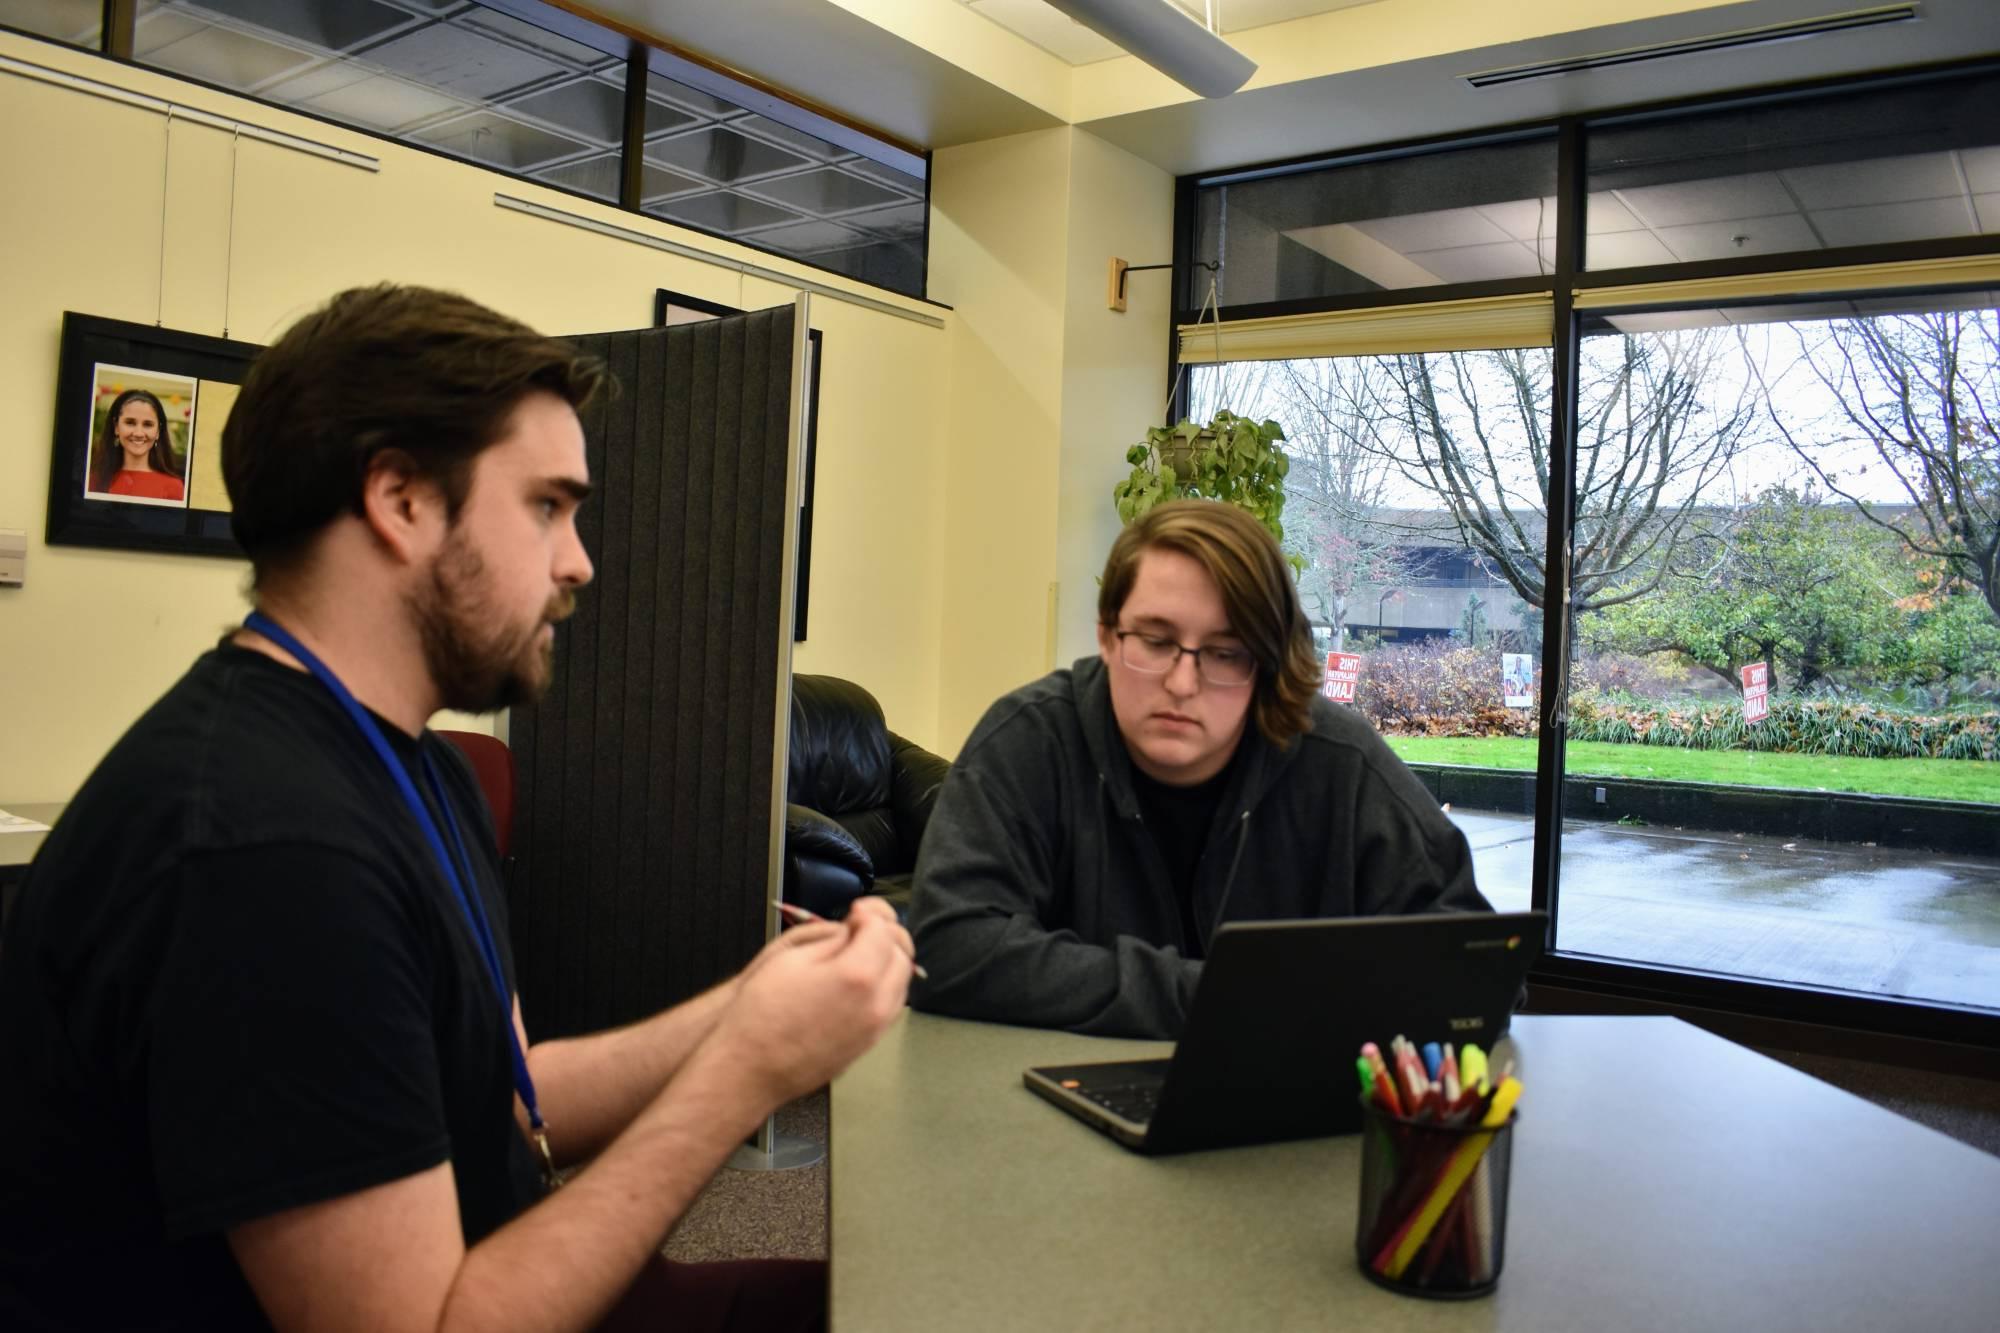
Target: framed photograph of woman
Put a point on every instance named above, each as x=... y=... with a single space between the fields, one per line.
x=141 y=433
x=136 y=462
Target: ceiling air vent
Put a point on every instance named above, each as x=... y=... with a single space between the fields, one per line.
x=1687 y=46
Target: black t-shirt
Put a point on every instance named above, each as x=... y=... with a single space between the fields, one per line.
x=1179 y=819
x=235 y=982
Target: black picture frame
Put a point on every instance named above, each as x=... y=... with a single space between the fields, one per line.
x=670 y=307
x=76 y=517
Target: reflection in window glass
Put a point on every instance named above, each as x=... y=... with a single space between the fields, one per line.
x=1785 y=693
x=1851 y=169
x=1465 y=215
x=466 y=81
x=1415 y=502
x=744 y=176
x=77 y=22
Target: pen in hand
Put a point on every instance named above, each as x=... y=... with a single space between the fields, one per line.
x=797 y=913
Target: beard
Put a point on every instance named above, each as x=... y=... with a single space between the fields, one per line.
x=478 y=661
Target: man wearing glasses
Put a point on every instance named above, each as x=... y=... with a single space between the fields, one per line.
x=1102 y=822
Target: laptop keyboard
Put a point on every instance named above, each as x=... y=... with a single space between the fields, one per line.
x=1129 y=1101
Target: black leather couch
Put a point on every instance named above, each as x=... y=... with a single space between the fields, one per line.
x=859 y=797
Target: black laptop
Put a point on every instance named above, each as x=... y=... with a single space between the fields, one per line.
x=1280 y=1014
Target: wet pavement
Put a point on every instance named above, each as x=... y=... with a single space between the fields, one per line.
x=1880 y=920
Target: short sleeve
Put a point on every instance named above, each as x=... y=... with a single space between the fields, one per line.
x=293 y=1057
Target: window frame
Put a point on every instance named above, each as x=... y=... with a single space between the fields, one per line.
x=1647 y=985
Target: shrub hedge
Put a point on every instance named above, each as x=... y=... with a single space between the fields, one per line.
x=1444 y=688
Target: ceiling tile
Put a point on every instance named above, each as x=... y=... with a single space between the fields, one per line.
x=382 y=103
x=1740 y=236
x=805 y=238
x=1915 y=220
x=901 y=181
x=828 y=190
x=722 y=211
x=905 y=220
x=331 y=25
x=1982 y=168
x=461 y=62
x=1523 y=219
x=597 y=176
x=486 y=136
x=232 y=59
x=763 y=127
x=1879 y=180
x=1625 y=249
x=1686 y=202
x=1603 y=214
x=670 y=90
x=721 y=155
x=1439 y=230
x=1988 y=208
x=544 y=42
x=1480 y=263
x=591 y=108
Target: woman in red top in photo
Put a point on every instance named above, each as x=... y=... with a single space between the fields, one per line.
x=131 y=455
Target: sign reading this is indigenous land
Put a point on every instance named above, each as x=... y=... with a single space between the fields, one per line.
x=1343 y=672
x=1756 y=691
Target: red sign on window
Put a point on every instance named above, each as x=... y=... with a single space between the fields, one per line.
x=1343 y=672
x=1756 y=691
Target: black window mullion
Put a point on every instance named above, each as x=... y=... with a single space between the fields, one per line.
x=632 y=152
x=1561 y=509
x=121 y=18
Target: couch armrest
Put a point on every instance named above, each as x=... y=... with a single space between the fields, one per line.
x=915 y=776
x=825 y=868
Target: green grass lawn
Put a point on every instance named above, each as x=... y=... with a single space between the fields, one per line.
x=1931 y=779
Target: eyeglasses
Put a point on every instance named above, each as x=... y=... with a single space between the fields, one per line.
x=1154 y=656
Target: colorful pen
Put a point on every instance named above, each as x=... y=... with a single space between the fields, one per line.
x=1384 y=1086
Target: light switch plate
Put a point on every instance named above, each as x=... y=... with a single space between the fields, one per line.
x=13 y=558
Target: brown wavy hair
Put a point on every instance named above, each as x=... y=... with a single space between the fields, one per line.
x=429 y=374
x=1258 y=596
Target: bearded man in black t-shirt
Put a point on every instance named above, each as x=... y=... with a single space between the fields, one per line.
x=262 y=1061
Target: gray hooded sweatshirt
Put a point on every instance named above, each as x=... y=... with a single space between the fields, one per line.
x=1040 y=897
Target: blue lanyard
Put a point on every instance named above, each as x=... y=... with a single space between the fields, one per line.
x=468 y=898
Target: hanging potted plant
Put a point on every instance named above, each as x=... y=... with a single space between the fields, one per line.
x=1232 y=459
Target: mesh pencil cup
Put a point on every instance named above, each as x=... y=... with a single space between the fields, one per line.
x=1433 y=1217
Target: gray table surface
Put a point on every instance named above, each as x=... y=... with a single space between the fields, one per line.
x=1664 y=1179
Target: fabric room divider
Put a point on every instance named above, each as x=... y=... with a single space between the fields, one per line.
x=645 y=815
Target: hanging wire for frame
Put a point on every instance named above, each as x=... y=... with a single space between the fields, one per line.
x=229 y=254
x=166 y=168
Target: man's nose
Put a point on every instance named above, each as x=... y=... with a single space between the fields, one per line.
x=573 y=568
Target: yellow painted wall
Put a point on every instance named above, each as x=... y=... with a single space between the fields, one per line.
x=1047 y=383
x=95 y=636
x=998 y=232
x=1114 y=365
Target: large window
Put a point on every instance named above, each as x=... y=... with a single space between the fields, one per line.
x=1764 y=660
x=1414 y=505
x=1787 y=696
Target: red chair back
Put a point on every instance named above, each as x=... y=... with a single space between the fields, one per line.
x=493 y=764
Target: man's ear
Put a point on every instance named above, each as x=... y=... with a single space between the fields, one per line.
x=1107 y=644
x=403 y=509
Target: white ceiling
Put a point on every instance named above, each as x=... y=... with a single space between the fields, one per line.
x=1063 y=37
x=833 y=57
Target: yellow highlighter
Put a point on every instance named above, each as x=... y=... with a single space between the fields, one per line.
x=1472 y=1068
x=1403 y=1246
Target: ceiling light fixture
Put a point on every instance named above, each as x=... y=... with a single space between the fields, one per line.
x=1165 y=37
